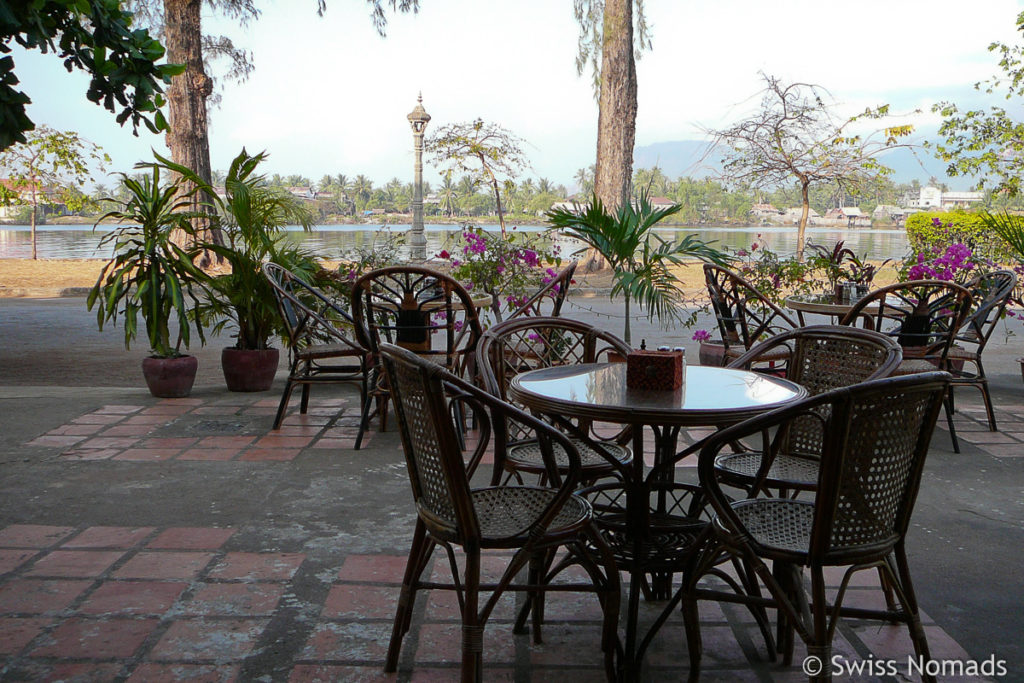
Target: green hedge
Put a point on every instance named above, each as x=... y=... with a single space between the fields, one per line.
x=967 y=228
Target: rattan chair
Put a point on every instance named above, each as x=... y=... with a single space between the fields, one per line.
x=924 y=317
x=878 y=434
x=552 y=294
x=744 y=315
x=516 y=346
x=534 y=521
x=418 y=309
x=990 y=294
x=319 y=350
x=820 y=358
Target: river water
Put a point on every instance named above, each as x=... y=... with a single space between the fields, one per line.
x=334 y=241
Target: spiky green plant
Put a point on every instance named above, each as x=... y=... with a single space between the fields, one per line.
x=149 y=275
x=1009 y=227
x=641 y=261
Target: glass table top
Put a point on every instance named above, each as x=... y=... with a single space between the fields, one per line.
x=600 y=390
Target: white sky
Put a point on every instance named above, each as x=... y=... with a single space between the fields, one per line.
x=330 y=96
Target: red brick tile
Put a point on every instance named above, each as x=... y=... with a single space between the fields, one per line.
x=91 y=453
x=54 y=440
x=76 y=430
x=132 y=597
x=257 y=566
x=321 y=409
x=256 y=412
x=166 y=410
x=169 y=442
x=17 y=632
x=335 y=444
x=75 y=563
x=388 y=568
x=235 y=599
x=192 y=538
x=565 y=644
x=208 y=640
x=443 y=643
x=209 y=454
x=278 y=441
x=32 y=535
x=1004 y=450
x=129 y=430
x=443 y=605
x=350 y=600
x=11 y=559
x=96 y=638
x=70 y=672
x=226 y=441
x=154 y=672
x=39 y=596
x=366 y=642
x=302 y=420
x=147 y=454
x=164 y=565
x=97 y=419
x=275 y=454
x=447 y=674
x=120 y=409
x=109 y=442
x=147 y=420
x=293 y=431
x=109 y=537
x=326 y=673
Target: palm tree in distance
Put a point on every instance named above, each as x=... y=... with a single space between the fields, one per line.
x=544 y=186
x=467 y=185
x=362 y=189
x=447 y=194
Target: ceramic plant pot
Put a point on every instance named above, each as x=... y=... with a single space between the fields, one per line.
x=170 y=377
x=249 y=369
x=712 y=353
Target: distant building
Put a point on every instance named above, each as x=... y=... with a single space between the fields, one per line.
x=17 y=194
x=792 y=215
x=764 y=211
x=301 y=192
x=934 y=198
x=658 y=203
x=852 y=215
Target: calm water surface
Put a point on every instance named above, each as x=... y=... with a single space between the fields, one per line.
x=334 y=241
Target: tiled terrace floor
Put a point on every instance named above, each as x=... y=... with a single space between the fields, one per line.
x=153 y=603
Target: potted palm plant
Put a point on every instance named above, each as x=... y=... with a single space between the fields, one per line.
x=641 y=261
x=151 y=277
x=252 y=218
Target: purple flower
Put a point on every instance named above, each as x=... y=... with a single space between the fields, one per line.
x=701 y=336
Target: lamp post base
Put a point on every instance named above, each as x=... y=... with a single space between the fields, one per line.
x=417 y=242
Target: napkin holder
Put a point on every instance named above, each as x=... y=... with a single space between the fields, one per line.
x=654 y=370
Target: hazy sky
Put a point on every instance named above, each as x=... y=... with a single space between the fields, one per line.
x=330 y=96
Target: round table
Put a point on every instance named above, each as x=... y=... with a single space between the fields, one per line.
x=709 y=396
x=823 y=304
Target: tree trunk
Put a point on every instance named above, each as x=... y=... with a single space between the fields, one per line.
x=35 y=204
x=802 y=226
x=616 y=120
x=188 y=134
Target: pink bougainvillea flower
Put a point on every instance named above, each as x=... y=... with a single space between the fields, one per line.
x=701 y=336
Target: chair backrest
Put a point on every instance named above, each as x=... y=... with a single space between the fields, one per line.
x=515 y=346
x=438 y=469
x=990 y=294
x=878 y=434
x=553 y=292
x=744 y=315
x=408 y=306
x=822 y=358
x=308 y=314
x=922 y=315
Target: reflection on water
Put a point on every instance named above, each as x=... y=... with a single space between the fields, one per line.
x=333 y=241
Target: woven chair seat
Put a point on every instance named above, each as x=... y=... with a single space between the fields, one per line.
x=506 y=511
x=327 y=351
x=776 y=524
x=528 y=456
x=957 y=352
x=786 y=469
x=914 y=366
x=772 y=356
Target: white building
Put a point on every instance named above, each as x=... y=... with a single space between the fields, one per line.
x=934 y=198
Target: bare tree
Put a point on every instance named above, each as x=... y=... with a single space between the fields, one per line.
x=796 y=135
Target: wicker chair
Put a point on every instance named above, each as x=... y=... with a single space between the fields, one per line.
x=744 y=314
x=878 y=436
x=319 y=351
x=516 y=346
x=409 y=306
x=553 y=293
x=924 y=316
x=820 y=358
x=990 y=294
x=534 y=521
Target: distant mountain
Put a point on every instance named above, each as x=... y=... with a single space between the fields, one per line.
x=691 y=158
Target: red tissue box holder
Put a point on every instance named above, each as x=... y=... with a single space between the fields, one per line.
x=657 y=370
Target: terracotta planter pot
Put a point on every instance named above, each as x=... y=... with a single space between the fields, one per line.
x=712 y=353
x=249 y=369
x=1021 y=361
x=170 y=377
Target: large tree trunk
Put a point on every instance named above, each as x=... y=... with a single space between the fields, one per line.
x=805 y=211
x=616 y=121
x=188 y=135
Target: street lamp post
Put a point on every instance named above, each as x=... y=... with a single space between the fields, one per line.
x=417 y=241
